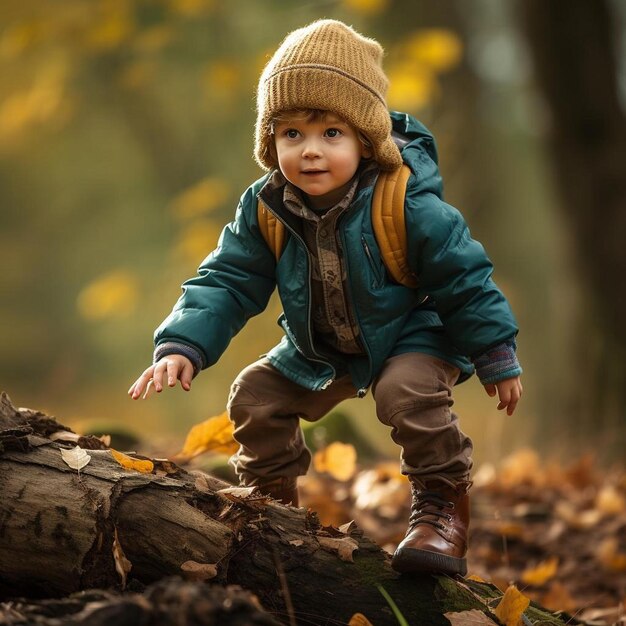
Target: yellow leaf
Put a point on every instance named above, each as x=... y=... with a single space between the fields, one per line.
x=113 y=295
x=154 y=39
x=112 y=25
x=358 y=619
x=222 y=77
x=412 y=86
x=511 y=607
x=367 y=7
x=139 y=465
x=191 y=8
x=439 y=49
x=196 y=241
x=212 y=435
x=476 y=578
x=338 y=459
x=203 y=197
x=542 y=573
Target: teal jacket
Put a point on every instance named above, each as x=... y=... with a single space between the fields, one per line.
x=457 y=313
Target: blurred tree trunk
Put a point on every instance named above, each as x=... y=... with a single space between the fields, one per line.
x=573 y=47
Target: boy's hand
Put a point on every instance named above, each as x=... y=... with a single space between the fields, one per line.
x=509 y=392
x=170 y=368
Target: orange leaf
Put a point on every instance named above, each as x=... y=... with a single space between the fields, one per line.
x=338 y=459
x=610 y=557
x=139 y=465
x=212 y=435
x=358 y=619
x=542 y=573
x=511 y=607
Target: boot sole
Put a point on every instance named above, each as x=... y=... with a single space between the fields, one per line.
x=411 y=561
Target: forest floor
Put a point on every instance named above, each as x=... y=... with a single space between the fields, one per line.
x=558 y=533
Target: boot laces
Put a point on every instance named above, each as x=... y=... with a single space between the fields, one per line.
x=428 y=509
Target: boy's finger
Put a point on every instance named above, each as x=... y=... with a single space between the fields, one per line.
x=172 y=372
x=186 y=376
x=491 y=390
x=149 y=389
x=158 y=376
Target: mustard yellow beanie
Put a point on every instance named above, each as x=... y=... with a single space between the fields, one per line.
x=327 y=65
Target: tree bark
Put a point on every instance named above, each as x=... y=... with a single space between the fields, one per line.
x=573 y=46
x=64 y=530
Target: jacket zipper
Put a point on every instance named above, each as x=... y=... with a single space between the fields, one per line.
x=331 y=380
x=370 y=258
x=361 y=393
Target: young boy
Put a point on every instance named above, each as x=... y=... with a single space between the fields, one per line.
x=324 y=133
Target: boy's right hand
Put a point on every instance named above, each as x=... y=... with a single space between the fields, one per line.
x=170 y=368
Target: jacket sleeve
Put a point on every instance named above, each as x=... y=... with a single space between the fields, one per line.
x=453 y=269
x=233 y=284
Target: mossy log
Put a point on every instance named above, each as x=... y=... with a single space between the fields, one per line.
x=64 y=530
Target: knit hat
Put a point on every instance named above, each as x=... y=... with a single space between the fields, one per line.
x=327 y=65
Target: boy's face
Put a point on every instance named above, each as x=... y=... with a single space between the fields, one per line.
x=319 y=156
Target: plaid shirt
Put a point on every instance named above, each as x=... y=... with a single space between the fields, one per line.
x=333 y=319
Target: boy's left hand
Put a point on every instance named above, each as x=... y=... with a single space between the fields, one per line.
x=509 y=392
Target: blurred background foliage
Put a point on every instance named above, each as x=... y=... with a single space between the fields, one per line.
x=126 y=140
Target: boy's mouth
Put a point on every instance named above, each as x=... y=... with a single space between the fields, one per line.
x=313 y=172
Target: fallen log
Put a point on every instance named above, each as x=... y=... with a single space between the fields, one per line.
x=66 y=528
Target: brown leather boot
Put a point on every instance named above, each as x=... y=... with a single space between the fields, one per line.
x=283 y=490
x=436 y=540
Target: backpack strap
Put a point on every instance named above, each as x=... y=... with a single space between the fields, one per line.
x=272 y=230
x=389 y=226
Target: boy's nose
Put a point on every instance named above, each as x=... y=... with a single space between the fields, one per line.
x=311 y=149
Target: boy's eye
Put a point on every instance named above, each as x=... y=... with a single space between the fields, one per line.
x=291 y=133
x=333 y=132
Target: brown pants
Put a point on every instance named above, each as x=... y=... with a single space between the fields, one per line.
x=413 y=394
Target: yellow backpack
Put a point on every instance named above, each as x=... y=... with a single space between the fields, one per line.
x=387 y=222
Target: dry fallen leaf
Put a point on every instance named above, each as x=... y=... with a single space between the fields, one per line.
x=343 y=546
x=76 y=458
x=542 y=573
x=511 y=607
x=296 y=542
x=127 y=462
x=338 y=459
x=610 y=501
x=212 y=435
x=358 y=619
x=238 y=493
x=64 y=435
x=558 y=598
x=199 y=571
x=610 y=557
x=348 y=527
x=521 y=468
x=469 y=618
x=122 y=564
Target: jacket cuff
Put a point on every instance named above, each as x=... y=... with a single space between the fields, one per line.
x=498 y=363
x=173 y=347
